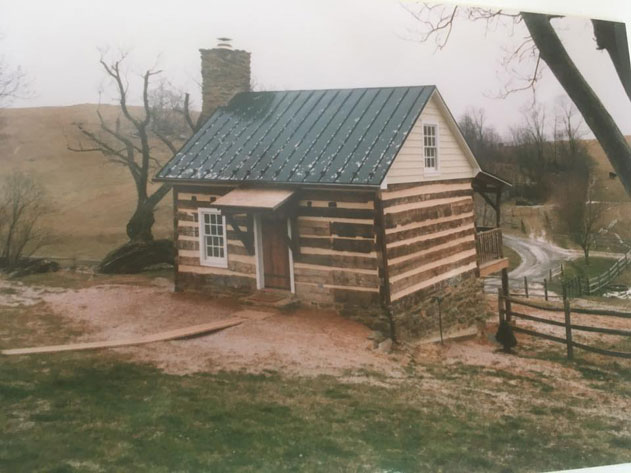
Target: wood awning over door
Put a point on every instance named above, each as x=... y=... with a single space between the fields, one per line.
x=253 y=199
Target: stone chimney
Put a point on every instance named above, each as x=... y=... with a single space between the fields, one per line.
x=225 y=72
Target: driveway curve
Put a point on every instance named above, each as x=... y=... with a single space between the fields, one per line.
x=538 y=257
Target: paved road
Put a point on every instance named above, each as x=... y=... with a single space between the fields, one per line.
x=538 y=257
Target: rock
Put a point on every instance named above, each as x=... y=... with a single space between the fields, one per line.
x=376 y=336
x=385 y=346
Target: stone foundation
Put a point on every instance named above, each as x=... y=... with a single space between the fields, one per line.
x=462 y=304
x=215 y=285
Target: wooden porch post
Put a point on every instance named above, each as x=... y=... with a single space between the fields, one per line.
x=498 y=206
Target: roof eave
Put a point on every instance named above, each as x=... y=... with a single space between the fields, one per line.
x=197 y=182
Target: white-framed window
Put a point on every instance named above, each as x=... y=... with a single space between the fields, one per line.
x=430 y=146
x=213 y=244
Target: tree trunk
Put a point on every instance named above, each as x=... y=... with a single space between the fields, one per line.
x=596 y=116
x=612 y=36
x=586 y=253
x=140 y=223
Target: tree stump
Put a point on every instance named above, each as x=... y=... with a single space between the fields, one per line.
x=136 y=256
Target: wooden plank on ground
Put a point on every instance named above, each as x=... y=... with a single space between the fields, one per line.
x=186 y=332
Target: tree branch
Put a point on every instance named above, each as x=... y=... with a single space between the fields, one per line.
x=187 y=114
x=159 y=194
x=612 y=37
x=166 y=141
x=596 y=116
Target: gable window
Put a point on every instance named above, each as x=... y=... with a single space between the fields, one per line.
x=213 y=249
x=430 y=147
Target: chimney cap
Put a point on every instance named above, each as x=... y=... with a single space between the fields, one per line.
x=224 y=43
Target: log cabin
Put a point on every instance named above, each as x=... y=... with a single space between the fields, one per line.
x=356 y=199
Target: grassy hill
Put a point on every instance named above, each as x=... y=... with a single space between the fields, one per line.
x=610 y=191
x=92 y=199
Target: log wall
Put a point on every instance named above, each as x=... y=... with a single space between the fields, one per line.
x=358 y=251
x=239 y=276
x=430 y=244
x=338 y=261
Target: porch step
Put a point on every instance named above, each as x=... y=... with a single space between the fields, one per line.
x=281 y=300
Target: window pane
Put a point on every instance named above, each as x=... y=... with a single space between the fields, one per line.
x=213 y=236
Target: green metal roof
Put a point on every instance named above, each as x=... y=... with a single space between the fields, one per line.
x=337 y=136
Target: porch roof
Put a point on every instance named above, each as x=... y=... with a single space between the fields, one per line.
x=487 y=182
x=253 y=198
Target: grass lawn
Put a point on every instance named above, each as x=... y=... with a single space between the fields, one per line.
x=94 y=413
x=514 y=259
x=98 y=411
x=624 y=277
x=596 y=267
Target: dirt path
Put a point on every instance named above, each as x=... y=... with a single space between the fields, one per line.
x=305 y=342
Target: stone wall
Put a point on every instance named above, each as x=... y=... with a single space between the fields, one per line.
x=462 y=304
x=225 y=72
x=215 y=284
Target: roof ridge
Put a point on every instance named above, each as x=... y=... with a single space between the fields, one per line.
x=336 y=89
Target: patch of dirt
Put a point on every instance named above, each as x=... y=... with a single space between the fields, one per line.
x=16 y=293
x=304 y=342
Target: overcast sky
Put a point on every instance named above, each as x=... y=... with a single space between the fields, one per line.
x=294 y=44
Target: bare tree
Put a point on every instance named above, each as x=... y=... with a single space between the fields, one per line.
x=129 y=140
x=483 y=139
x=581 y=215
x=23 y=203
x=11 y=82
x=571 y=130
x=543 y=45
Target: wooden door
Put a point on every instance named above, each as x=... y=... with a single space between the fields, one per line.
x=275 y=253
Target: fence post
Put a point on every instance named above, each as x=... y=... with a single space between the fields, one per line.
x=568 y=328
x=562 y=272
x=587 y=288
x=500 y=304
x=440 y=320
x=526 y=285
x=550 y=275
x=506 y=290
x=545 y=289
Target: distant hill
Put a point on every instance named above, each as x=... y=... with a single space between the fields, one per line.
x=92 y=198
x=609 y=190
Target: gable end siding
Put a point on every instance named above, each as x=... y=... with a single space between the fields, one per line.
x=408 y=165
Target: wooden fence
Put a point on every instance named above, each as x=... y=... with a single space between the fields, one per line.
x=507 y=312
x=593 y=285
x=489 y=245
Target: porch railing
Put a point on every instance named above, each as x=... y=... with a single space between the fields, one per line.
x=489 y=245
